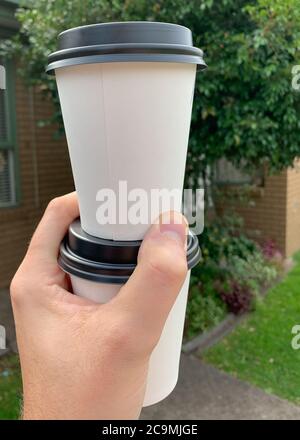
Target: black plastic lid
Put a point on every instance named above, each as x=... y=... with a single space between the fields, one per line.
x=125 y=41
x=107 y=261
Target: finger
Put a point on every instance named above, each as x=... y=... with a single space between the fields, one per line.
x=59 y=214
x=151 y=291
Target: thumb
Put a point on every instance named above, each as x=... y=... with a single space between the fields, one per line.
x=151 y=291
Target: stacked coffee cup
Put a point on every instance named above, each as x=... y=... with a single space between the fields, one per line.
x=126 y=93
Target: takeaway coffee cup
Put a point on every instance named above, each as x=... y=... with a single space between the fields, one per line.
x=126 y=93
x=98 y=268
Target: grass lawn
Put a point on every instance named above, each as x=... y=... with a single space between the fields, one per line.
x=10 y=387
x=259 y=350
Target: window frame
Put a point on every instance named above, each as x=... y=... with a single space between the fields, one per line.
x=244 y=179
x=10 y=144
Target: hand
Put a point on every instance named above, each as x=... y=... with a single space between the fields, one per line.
x=79 y=359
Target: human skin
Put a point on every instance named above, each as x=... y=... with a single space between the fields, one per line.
x=79 y=359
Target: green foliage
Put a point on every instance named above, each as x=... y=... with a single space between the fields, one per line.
x=253 y=271
x=222 y=239
x=205 y=309
x=244 y=110
x=259 y=351
x=251 y=113
x=238 y=297
x=230 y=277
x=10 y=387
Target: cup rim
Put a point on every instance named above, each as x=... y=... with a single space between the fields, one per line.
x=134 y=41
x=107 y=261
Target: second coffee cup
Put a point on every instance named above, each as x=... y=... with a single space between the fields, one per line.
x=98 y=268
x=126 y=93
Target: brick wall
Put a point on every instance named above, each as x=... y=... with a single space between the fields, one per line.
x=273 y=211
x=44 y=173
x=265 y=212
x=293 y=210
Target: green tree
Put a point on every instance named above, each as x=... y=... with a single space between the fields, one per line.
x=244 y=108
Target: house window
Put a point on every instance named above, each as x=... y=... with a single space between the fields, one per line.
x=225 y=173
x=8 y=159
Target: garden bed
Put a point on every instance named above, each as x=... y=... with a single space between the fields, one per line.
x=231 y=278
x=259 y=350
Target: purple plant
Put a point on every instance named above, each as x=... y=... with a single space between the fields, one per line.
x=237 y=297
x=269 y=249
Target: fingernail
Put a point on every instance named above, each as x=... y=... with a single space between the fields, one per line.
x=174 y=225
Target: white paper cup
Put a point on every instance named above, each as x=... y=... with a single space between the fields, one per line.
x=98 y=268
x=164 y=361
x=133 y=120
x=127 y=112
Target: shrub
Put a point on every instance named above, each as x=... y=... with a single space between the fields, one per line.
x=238 y=297
x=230 y=276
x=273 y=255
x=205 y=309
x=253 y=271
x=223 y=239
x=269 y=249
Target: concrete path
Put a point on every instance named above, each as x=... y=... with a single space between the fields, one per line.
x=203 y=392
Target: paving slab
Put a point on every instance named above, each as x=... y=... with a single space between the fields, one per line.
x=205 y=393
